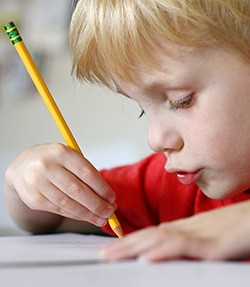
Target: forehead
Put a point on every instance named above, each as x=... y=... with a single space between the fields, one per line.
x=177 y=63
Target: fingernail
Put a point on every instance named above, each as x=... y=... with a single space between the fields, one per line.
x=112 y=255
x=143 y=259
x=103 y=253
x=106 y=255
x=111 y=198
x=108 y=212
x=101 y=221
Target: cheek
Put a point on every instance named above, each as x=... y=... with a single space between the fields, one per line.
x=222 y=147
x=210 y=141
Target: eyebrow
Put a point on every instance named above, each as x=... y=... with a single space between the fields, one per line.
x=150 y=86
x=170 y=82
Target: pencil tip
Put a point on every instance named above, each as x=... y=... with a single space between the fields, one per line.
x=118 y=231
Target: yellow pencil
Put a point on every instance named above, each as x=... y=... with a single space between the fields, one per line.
x=43 y=90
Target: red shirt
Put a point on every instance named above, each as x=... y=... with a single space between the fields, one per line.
x=147 y=195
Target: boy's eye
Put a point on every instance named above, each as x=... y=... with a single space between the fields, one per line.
x=141 y=114
x=180 y=104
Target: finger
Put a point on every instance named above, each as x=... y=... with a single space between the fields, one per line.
x=180 y=245
x=81 y=193
x=87 y=173
x=40 y=203
x=130 y=246
x=153 y=244
x=172 y=247
x=63 y=204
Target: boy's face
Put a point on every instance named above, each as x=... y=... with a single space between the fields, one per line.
x=198 y=108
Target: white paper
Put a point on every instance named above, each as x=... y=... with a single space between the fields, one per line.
x=50 y=249
x=73 y=260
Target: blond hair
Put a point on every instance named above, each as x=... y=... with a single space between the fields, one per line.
x=107 y=37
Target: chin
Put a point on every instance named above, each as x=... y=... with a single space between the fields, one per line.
x=218 y=192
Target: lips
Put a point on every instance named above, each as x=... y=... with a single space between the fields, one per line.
x=187 y=178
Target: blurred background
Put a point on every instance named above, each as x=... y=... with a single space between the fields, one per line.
x=104 y=124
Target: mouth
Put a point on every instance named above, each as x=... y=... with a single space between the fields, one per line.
x=185 y=177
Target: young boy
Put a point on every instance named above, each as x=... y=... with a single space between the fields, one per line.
x=187 y=64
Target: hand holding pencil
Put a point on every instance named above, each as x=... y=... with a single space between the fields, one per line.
x=51 y=105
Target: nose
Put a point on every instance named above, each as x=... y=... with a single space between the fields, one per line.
x=164 y=139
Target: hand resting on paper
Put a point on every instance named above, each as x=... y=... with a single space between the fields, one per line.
x=214 y=235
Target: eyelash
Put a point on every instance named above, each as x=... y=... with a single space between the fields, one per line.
x=180 y=104
x=141 y=114
x=175 y=105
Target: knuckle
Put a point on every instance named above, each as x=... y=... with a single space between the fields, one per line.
x=212 y=251
x=98 y=208
x=87 y=175
x=74 y=188
x=161 y=237
x=93 y=219
x=103 y=210
x=33 y=171
x=184 y=242
x=35 y=202
x=58 y=150
x=108 y=194
x=192 y=246
x=64 y=203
